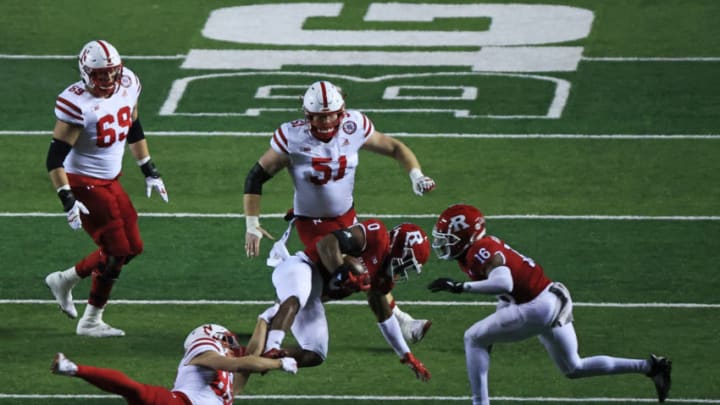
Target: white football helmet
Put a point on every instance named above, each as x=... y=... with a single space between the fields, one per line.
x=324 y=106
x=100 y=67
x=227 y=339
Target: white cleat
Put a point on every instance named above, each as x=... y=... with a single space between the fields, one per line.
x=415 y=330
x=97 y=329
x=62 y=290
x=63 y=366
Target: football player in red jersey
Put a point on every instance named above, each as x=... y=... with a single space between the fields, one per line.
x=529 y=304
x=380 y=258
x=96 y=118
x=213 y=370
x=320 y=153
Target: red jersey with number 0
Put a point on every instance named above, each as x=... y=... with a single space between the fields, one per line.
x=529 y=279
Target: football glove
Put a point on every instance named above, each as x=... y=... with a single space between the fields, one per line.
x=289 y=365
x=73 y=215
x=421 y=184
x=157 y=184
x=446 y=284
x=415 y=365
x=72 y=207
x=345 y=279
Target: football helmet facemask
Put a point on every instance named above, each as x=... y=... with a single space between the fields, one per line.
x=100 y=67
x=324 y=106
x=227 y=339
x=409 y=250
x=457 y=228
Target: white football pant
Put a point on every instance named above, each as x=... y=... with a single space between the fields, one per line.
x=512 y=322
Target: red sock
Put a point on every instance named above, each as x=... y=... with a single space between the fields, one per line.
x=113 y=381
x=100 y=290
x=91 y=262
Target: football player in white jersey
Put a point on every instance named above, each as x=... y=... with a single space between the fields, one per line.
x=212 y=371
x=321 y=155
x=95 y=118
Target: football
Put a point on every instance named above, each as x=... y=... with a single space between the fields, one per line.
x=356 y=264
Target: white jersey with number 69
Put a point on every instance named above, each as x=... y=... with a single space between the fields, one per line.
x=323 y=172
x=99 y=150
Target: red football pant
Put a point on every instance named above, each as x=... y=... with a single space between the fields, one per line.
x=310 y=230
x=112 y=224
x=135 y=393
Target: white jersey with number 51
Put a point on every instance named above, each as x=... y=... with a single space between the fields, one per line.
x=323 y=172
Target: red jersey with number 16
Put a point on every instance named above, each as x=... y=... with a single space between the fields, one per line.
x=529 y=279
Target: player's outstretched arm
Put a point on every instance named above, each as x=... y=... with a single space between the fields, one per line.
x=391 y=147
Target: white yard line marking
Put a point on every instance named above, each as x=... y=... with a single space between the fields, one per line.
x=420 y=216
x=584 y=58
x=241 y=134
x=678 y=305
x=390 y=398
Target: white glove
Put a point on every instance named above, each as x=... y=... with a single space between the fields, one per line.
x=289 y=365
x=157 y=184
x=421 y=184
x=73 y=215
x=269 y=313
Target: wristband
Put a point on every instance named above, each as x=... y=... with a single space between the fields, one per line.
x=67 y=198
x=148 y=168
x=252 y=222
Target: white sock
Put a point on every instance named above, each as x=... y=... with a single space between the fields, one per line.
x=93 y=313
x=274 y=339
x=401 y=316
x=70 y=275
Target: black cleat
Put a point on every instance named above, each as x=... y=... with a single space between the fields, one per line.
x=660 y=369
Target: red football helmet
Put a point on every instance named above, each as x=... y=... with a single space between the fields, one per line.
x=409 y=249
x=100 y=67
x=324 y=107
x=457 y=228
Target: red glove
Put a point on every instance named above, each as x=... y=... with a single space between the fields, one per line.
x=357 y=282
x=415 y=365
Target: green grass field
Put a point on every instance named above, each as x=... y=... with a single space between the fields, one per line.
x=616 y=195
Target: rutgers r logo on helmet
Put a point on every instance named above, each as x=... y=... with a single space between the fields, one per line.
x=456 y=229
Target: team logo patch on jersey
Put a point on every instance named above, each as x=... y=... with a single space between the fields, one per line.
x=349 y=127
x=125 y=81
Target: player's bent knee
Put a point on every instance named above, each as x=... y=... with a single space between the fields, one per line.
x=307 y=358
x=572 y=371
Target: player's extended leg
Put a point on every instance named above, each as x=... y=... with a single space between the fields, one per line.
x=413 y=330
x=311 y=329
x=509 y=323
x=292 y=279
x=91 y=323
x=61 y=283
x=115 y=382
x=561 y=344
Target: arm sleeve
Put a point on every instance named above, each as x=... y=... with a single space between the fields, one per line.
x=499 y=281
